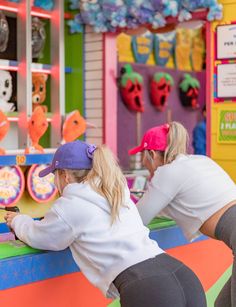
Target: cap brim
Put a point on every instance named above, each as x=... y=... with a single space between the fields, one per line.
x=46 y=171
x=135 y=150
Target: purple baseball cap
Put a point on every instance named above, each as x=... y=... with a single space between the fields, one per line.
x=72 y=155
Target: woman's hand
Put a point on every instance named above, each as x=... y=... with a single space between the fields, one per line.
x=9 y=217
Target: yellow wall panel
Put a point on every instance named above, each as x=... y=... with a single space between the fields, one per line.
x=224 y=154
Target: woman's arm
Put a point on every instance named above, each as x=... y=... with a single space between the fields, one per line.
x=51 y=233
x=152 y=202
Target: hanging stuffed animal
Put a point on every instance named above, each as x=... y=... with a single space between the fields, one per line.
x=4 y=127
x=39 y=90
x=91 y=13
x=164 y=45
x=142 y=46
x=38 y=37
x=189 y=92
x=198 y=49
x=114 y=12
x=37 y=126
x=74 y=126
x=183 y=49
x=131 y=86
x=188 y=6
x=160 y=89
x=6 y=88
x=4 y=32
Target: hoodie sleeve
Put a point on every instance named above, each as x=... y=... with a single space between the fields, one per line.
x=162 y=189
x=51 y=233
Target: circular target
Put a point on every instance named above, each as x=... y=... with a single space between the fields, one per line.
x=43 y=189
x=12 y=185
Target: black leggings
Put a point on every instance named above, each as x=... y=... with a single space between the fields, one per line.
x=226 y=232
x=161 y=281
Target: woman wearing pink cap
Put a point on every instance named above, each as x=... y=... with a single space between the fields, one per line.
x=191 y=189
x=96 y=219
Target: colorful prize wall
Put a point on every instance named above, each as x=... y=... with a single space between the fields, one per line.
x=164 y=61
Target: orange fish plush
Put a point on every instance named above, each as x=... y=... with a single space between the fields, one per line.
x=4 y=127
x=37 y=126
x=74 y=126
x=39 y=90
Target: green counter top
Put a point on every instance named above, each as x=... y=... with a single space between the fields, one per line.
x=160 y=222
x=15 y=248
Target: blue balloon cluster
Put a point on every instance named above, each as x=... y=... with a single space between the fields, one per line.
x=108 y=15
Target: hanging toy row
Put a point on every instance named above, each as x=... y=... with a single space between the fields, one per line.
x=183 y=49
x=38 y=36
x=131 y=89
x=113 y=15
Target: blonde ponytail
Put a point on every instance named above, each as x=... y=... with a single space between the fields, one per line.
x=177 y=141
x=107 y=179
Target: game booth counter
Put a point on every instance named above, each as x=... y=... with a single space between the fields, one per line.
x=106 y=80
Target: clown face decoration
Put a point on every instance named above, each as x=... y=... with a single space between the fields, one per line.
x=189 y=92
x=4 y=32
x=160 y=89
x=131 y=86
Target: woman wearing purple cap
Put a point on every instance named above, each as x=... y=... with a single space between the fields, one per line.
x=191 y=189
x=96 y=219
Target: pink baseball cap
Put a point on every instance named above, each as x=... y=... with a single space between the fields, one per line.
x=154 y=139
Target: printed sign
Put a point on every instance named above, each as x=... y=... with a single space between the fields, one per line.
x=226 y=41
x=227 y=126
x=43 y=189
x=12 y=184
x=226 y=80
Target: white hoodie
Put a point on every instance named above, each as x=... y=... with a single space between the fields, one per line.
x=81 y=220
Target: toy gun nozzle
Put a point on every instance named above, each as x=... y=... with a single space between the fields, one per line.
x=12 y=209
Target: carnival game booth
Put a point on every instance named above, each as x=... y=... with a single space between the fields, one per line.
x=116 y=66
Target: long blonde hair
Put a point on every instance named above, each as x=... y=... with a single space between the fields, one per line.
x=177 y=142
x=105 y=177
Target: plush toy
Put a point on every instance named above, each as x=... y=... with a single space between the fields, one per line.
x=189 y=92
x=4 y=127
x=44 y=4
x=114 y=12
x=6 y=92
x=215 y=9
x=73 y=4
x=164 y=45
x=142 y=46
x=39 y=90
x=111 y=15
x=91 y=13
x=144 y=12
x=4 y=32
x=131 y=86
x=183 y=48
x=37 y=126
x=38 y=37
x=198 y=49
x=160 y=89
x=171 y=7
x=74 y=126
